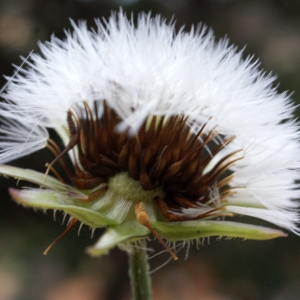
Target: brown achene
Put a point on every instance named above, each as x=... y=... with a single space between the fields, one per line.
x=163 y=152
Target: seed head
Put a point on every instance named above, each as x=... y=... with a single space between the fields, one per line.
x=168 y=133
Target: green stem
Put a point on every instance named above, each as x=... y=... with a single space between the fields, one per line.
x=139 y=273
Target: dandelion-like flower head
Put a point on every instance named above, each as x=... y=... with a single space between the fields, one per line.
x=169 y=133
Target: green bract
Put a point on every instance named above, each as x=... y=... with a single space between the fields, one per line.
x=116 y=213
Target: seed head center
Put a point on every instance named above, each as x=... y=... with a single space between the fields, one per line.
x=164 y=161
x=131 y=189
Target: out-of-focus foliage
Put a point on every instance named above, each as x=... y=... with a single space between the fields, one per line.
x=222 y=270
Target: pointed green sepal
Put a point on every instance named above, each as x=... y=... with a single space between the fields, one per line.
x=39 y=179
x=45 y=199
x=178 y=231
x=116 y=235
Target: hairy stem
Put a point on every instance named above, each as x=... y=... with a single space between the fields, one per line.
x=139 y=274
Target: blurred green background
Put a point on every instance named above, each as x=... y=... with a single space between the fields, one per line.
x=219 y=270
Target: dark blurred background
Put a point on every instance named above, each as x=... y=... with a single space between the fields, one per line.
x=219 y=270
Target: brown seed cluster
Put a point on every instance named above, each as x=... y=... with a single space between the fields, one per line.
x=163 y=153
